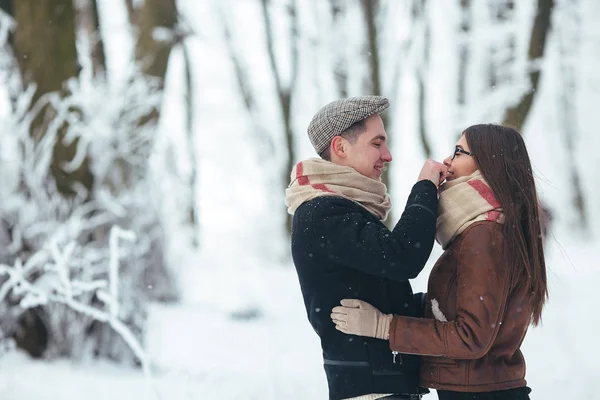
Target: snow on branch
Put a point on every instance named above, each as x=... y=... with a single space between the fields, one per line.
x=57 y=263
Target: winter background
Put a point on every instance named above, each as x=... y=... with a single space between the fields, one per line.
x=169 y=276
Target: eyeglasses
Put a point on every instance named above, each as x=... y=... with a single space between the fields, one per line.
x=461 y=151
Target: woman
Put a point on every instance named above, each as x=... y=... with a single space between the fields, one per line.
x=487 y=287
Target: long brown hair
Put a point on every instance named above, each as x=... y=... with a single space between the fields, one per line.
x=503 y=160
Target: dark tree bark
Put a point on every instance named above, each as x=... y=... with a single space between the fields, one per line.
x=284 y=92
x=569 y=44
x=463 y=52
x=154 y=54
x=88 y=21
x=44 y=47
x=516 y=115
x=193 y=215
x=420 y=12
x=7 y=6
x=340 y=67
x=43 y=44
x=370 y=8
x=155 y=36
x=131 y=12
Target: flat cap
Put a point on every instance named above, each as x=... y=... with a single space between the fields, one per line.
x=339 y=115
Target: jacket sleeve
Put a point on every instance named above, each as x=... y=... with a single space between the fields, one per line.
x=344 y=234
x=482 y=291
x=419 y=300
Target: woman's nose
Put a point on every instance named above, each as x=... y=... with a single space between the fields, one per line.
x=448 y=161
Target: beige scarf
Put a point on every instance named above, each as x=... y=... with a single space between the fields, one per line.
x=464 y=201
x=316 y=177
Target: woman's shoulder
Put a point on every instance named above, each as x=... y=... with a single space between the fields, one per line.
x=483 y=232
x=483 y=226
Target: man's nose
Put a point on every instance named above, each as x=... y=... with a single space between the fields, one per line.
x=386 y=155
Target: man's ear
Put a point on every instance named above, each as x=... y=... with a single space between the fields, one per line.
x=338 y=146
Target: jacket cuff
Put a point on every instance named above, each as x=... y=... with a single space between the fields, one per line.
x=424 y=194
x=419 y=300
x=392 y=337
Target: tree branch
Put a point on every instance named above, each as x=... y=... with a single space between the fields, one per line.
x=516 y=115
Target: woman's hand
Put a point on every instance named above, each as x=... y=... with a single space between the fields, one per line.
x=357 y=317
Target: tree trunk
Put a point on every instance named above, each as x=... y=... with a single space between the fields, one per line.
x=569 y=45
x=193 y=215
x=370 y=12
x=420 y=11
x=44 y=46
x=463 y=56
x=248 y=96
x=7 y=6
x=154 y=46
x=515 y=116
x=284 y=92
x=340 y=62
x=131 y=12
x=88 y=21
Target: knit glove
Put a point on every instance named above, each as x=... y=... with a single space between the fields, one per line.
x=356 y=317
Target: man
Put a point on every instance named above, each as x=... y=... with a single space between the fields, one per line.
x=341 y=248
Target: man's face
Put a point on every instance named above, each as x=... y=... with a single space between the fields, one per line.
x=370 y=152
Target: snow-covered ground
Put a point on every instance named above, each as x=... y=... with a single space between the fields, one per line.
x=202 y=352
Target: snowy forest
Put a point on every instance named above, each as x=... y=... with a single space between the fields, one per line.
x=146 y=146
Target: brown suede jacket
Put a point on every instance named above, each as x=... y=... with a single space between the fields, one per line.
x=474 y=320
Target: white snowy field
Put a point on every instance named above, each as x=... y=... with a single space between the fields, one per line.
x=200 y=352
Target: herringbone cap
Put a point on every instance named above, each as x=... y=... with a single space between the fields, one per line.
x=339 y=115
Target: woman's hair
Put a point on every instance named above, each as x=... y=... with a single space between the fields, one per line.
x=503 y=160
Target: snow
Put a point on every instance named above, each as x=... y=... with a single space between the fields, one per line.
x=201 y=352
x=241 y=330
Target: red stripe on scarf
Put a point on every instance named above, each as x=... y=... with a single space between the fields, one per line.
x=303 y=180
x=485 y=192
x=493 y=216
x=322 y=187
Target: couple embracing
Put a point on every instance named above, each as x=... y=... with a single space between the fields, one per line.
x=379 y=339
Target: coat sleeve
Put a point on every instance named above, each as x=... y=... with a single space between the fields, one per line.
x=344 y=234
x=482 y=291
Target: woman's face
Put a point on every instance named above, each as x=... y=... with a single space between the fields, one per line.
x=460 y=164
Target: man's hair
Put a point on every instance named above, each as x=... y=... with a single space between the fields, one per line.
x=350 y=134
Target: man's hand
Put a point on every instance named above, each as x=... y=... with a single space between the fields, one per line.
x=357 y=317
x=434 y=171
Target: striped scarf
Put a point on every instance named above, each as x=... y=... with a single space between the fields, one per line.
x=316 y=177
x=464 y=201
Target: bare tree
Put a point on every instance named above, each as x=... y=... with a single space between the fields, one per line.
x=156 y=36
x=340 y=64
x=284 y=91
x=192 y=214
x=420 y=15
x=155 y=31
x=245 y=89
x=44 y=47
x=569 y=38
x=516 y=115
x=502 y=55
x=463 y=52
x=88 y=21
x=131 y=12
x=43 y=44
x=370 y=11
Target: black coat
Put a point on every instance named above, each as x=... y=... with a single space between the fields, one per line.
x=341 y=250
